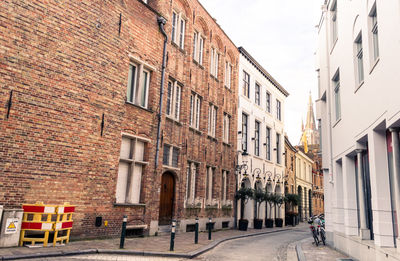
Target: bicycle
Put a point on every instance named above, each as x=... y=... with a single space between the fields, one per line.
x=315 y=235
x=321 y=232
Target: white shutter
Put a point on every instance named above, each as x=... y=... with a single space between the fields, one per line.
x=139 y=150
x=125 y=148
x=177 y=101
x=136 y=184
x=122 y=179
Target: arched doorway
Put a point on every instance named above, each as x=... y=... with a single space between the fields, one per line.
x=310 y=202
x=300 y=193
x=167 y=198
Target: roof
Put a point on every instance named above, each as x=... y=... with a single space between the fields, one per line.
x=290 y=144
x=263 y=71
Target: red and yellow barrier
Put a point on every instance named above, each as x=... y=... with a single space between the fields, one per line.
x=46 y=218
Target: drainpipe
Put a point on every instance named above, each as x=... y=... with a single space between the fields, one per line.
x=161 y=22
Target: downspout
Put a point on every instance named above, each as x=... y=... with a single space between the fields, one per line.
x=161 y=23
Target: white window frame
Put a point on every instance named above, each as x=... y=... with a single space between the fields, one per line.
x=138 y=84
x=228 y=74
x=226 y=128
x=132 y=190
x=174 y=94
x=195 y=111
x=225 y=185
x=374 y=33
x=212 y=119
x=268 y=143
x=257 y=94
x=359 y=59
x=246 y=84
x=214 y=62
x=278 y=110
x=178 y=29
x=268 y=101
x=209 y=184
x=171 y=150
x=191 y=172
x=198 y=47
x=257 y=130
x=336 y=88
x=278 y=148
x=245 y=132
x=334 y=23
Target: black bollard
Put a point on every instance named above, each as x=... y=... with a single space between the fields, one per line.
x=196 y=231
x=209 y=228
x=172 y=243
x=123 y=232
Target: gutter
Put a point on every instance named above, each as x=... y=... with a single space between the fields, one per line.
x=161 y=23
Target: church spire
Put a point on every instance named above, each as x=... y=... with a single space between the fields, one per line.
x=309 y=130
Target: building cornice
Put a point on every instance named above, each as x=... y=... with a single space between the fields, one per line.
x=263 y=71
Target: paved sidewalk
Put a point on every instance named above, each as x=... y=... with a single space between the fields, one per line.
x=184 y=245
x=319 y=253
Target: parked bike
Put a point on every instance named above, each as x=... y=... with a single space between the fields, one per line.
x=315 y=235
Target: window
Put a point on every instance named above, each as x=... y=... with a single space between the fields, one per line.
x=209 y=183
x=174 y=99
x=374 y=23
x=268 y=143
x=225 y=185
x=359 y=59
x=192 y=170
x=336 y=85
x=130 y=170
x=257 y=94
x=138 y=85
x=257 y=138
x=278 y=148
x=212 y=120
x=278 y=110
x=228 y=74
x=170 y=156
x=178 y=29
x=246 y=84
x=244 y=131
x=334 y=22
x=214 y=62
x=198 y=45
x=268 y=100
x=226 y=126
x=195 y=107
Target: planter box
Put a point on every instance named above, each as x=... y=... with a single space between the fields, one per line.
x=258 y=223
x=269 y=223
x=278 y=222
x=243 y=224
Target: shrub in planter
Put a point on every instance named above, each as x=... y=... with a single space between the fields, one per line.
x=258 y=223
x=269 y=223
x=279 y=222
x=243 y=194
x=243 y=224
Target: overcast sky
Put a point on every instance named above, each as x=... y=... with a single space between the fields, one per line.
x=281 y=36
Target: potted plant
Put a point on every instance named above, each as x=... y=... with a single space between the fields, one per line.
x=258 y=196
x=278 y=202
x=293 y=200
x=270 y=198
x=243 y=194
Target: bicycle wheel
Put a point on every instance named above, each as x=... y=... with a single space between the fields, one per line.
x=323 y=237
x=316 y=240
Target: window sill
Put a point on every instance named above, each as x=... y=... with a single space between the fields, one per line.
x=214 y=77
x=171 y=168
x=227 y=88
x=195 y=130
x=333 y=46
x=374 y=65
x=177 y=47
x=198 y=64
x=129 y=205
x=212 y=138
x=336 y=123
x=359 y=86
x=227 y=144
x=173 y=120
x=138 y=106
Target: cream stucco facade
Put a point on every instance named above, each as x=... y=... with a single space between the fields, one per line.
x=358 y=60
x=304 y=184
x=265 y=162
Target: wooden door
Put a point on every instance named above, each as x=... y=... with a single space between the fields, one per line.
x=166 y=199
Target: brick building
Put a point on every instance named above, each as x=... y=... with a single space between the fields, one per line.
x=290 y=167
x=80 y=97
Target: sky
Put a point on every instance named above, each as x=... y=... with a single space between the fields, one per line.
x=281 y=35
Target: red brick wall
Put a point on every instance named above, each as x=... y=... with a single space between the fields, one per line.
x=67 y=64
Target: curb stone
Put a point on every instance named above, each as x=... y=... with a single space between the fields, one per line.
x=189 y=255
x=300 y=253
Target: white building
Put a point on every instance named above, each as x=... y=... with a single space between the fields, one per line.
x=358 y=60
x=304 y=184
x=260 y=131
